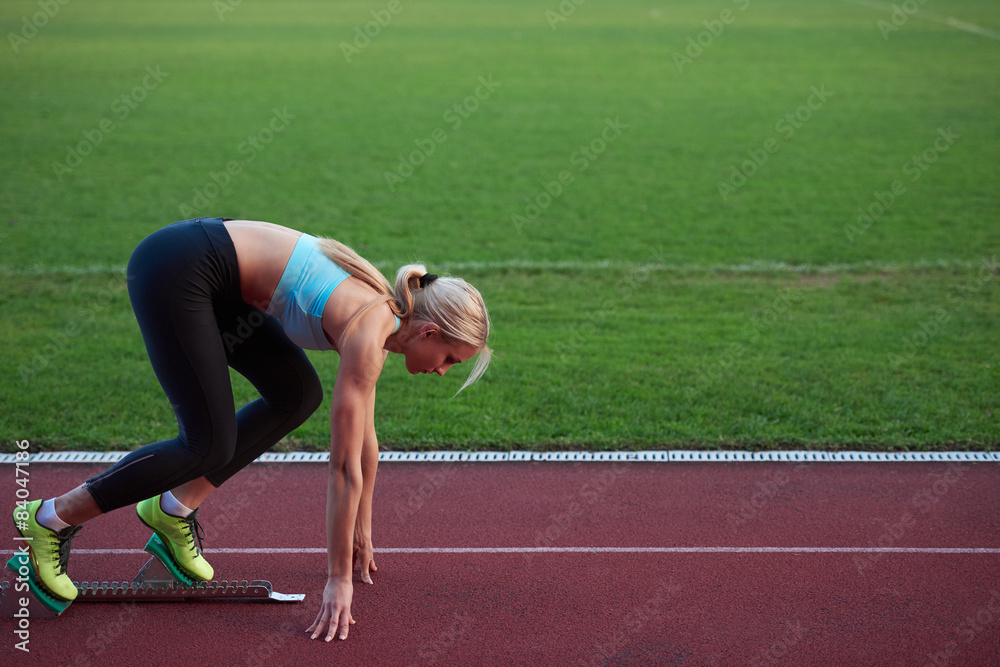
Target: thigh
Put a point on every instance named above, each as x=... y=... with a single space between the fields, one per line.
x=258 y=349
x=175 y=304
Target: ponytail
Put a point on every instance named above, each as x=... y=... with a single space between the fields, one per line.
x=451 y=303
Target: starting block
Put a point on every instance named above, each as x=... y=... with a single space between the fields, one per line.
x=159 y=580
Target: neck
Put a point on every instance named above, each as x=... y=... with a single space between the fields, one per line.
x=392 y=344
x=397 y=340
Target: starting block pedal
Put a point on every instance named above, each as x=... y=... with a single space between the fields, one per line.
x=38 y=601
x=159 y=580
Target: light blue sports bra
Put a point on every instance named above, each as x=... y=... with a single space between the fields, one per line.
x=302 y=292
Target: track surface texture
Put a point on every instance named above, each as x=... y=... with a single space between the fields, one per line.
x=921 y=597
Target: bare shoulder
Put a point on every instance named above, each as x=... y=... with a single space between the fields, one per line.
x=349 y=298
x=362 y=354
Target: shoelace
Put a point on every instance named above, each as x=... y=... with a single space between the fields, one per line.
x=192 y=527
x=65 y=536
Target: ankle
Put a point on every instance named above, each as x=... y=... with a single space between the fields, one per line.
x=49 y=518
x=174 y=507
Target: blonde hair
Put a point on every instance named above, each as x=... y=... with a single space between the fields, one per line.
x=451 y=303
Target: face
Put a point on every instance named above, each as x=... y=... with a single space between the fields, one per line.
x=428 y=353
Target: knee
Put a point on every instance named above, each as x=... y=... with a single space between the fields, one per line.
x=297 y=397
x=297 y=403
x=214 y=448
x=312 y=395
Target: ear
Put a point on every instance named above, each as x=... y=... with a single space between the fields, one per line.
x=429 y=330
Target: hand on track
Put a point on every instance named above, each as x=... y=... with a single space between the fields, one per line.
x=364 y=560
x=335 y=614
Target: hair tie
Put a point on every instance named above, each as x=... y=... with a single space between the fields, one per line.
x=427 y=279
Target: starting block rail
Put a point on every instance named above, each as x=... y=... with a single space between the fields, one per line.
x=155 y=582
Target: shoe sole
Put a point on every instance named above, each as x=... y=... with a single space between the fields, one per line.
x=49 y=599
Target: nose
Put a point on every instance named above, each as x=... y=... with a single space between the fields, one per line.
x=441 y=370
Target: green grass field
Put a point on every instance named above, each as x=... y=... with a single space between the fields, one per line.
x=659 y=201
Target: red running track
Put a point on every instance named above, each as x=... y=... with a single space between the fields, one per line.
x=921 y=597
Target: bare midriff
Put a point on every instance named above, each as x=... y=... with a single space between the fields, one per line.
x=262 y=251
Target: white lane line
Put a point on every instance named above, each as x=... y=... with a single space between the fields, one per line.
x=685 y=550
x=594 y=265
x=931 y=16
x=571 y=550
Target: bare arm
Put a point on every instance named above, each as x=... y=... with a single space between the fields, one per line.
x=369 y=466
x=360 y=366
x=345 y=480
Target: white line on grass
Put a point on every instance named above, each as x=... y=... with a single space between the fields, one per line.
x=756 y=267
x=573 y=550
x=930 y=16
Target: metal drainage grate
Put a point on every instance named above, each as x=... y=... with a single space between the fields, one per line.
x=677 y=456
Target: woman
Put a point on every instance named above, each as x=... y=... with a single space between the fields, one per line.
x=214 y=293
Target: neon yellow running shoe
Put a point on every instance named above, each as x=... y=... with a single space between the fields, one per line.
x=178 y=534
x=49 y=551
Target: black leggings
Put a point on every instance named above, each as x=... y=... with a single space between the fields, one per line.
x=184 y=284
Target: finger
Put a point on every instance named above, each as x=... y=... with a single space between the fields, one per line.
x=317 y=623
x=344 y=625
x=352 y=620
x=373 y=568
x=317 y=627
